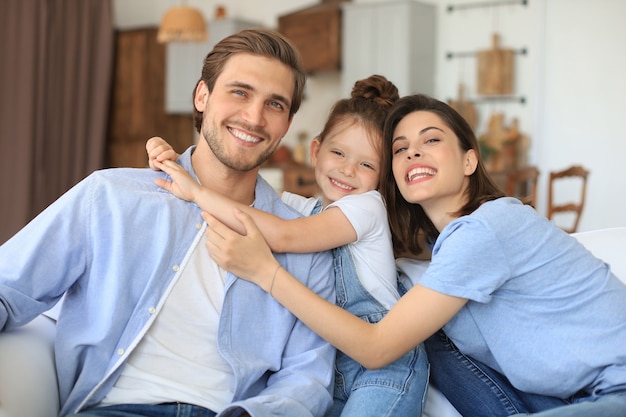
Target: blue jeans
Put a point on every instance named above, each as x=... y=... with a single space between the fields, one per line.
x=611 y=404
x=476 y=390
x=398 y=389
x=147 y=410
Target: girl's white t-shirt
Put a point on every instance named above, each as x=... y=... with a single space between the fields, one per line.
x=372 y=252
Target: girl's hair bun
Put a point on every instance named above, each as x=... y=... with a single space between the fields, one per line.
x=377 y=88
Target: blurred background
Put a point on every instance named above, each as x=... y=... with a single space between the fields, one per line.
x=85 y=83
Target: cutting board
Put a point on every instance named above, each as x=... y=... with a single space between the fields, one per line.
x=465 y=107
x=495 y=69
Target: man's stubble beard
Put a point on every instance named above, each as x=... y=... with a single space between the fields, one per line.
x=216 y=146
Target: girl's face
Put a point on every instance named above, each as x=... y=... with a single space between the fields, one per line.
x=429 y=166
x=345 y=163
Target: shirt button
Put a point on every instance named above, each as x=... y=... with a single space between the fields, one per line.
x=120 y=351
x=175 y=268
x=198 y=226
x=152 y=310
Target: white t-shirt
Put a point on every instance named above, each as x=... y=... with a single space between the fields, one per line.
x=178 y=359
x=372 y=251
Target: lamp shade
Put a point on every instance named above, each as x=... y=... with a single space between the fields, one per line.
x=182 y=24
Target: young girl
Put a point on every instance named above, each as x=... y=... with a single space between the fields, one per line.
x=532 y=320
x=349 y=218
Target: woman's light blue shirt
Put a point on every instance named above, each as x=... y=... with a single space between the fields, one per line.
x=542 y=309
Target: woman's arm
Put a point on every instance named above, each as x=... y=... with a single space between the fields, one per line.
x=326 y=230
x=416 y=316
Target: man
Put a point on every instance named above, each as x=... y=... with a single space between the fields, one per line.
x=150 y=325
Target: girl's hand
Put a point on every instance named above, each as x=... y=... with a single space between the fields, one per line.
x=247 y=256
x=182 y=185
x=159 y=150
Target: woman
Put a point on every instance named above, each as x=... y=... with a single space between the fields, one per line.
x=526 y=308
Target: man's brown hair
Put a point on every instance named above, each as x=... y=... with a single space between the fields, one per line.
x=262 y=42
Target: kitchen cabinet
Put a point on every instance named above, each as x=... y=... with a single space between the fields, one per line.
x=300 y=179
x=137 y=101
x=184 y=63
x=395 y=39
x=315 y=31
x=294 y=178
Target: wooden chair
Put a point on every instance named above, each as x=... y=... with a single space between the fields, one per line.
x=571 y=208
x=522 y=184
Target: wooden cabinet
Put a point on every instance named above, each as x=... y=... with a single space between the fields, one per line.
x=316 y=32
x=185 y=59
x=137 y=101
x=295 y=178
x=394 y=39
x=300 y=179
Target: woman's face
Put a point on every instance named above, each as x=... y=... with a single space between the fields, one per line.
x=429 y=166
x=345 y=163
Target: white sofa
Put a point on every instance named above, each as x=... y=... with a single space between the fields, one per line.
x=28 y=386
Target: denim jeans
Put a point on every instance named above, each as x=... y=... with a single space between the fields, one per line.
x=611 y=404
x=398 y=389
x=476 y=390
x=147 y=410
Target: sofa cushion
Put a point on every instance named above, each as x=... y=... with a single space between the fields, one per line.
x=28 y=383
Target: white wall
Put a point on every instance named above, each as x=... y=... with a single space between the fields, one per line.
x=572 y=79
x=584 y=101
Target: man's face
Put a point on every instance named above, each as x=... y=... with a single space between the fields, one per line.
x=247 y=113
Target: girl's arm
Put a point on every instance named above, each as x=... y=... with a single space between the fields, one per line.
x=159 y=150
x=326 y=230
x=416 y=316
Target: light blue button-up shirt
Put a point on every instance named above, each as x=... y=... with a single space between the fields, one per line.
x=115 y=244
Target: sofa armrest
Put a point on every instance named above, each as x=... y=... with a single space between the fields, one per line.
x=608 y=245
x=28 y=382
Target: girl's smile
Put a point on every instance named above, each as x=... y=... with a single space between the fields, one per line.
x=346 y=162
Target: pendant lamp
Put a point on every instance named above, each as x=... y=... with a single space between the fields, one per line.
x=182 y=24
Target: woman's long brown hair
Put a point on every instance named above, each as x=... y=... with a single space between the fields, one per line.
x=407 y=219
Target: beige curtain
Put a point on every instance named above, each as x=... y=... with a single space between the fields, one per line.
x=55 y=82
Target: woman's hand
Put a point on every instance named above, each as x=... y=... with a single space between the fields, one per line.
x=182 y=185
x=247 y=256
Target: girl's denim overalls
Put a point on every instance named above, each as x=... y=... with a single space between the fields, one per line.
x=398 y=389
